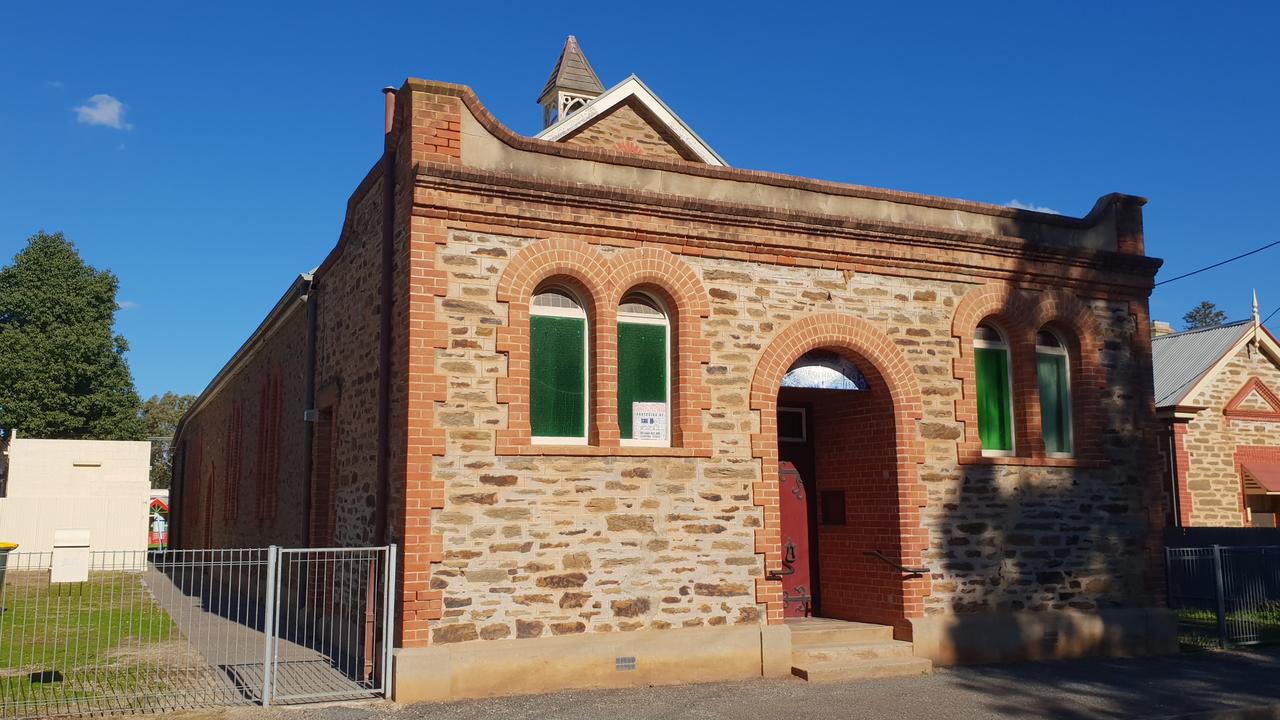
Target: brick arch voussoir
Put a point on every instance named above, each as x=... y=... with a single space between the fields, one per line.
x=551 y=258
x=661 y=269
x=1068 y=311
x=1009 y=306
x=847 y=333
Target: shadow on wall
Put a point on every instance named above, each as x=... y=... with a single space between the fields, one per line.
x=1024 y=537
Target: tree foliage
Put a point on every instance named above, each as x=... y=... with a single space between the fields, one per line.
x=62 y=368
x=160 y=416
x=1204 y=315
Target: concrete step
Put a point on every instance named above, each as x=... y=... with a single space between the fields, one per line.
x=848 y=652
x=818 y=631
x=842 y=670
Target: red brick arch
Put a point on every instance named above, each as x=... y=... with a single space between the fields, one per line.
x=1078 y=326
x=1021 y=314
x=882 y=358
x=604 y=280
x=583 y=266
x=679 y=287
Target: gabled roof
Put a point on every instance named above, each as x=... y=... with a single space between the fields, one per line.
x=633 y=90
x=572 y=72
x=1179 y=360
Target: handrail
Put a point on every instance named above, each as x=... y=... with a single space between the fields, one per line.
x=903 y=568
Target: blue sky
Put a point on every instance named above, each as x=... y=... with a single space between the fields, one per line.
x=243 y=127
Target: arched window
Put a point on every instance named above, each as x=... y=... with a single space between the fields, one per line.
x=644 y=371
x=995 y=390
x=558 y=378
x=1054 y=375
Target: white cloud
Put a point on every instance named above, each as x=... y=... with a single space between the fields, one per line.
x=1016 y=203
x=103 y=110
x=128 y=305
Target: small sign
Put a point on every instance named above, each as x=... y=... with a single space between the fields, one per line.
x=70 y=556
x=649 y=421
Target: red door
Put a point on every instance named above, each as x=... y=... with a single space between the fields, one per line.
x=797 y=582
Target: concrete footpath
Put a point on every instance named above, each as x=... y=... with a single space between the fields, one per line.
x=1219 y=685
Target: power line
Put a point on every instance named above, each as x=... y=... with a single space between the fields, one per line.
x=1219 y=264
x=1273 y=313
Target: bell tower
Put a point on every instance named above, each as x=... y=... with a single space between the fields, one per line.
x=572 y=85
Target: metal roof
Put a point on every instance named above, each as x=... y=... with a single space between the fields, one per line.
x=572 y=72
x=1180 y=359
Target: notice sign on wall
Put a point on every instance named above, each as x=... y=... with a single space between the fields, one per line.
x=648 y=421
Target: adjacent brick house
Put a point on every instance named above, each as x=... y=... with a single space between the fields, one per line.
x=561 y=372
x=1216 y=397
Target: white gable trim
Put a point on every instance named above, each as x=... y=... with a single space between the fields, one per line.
x=615 y=96
x=1266 y=344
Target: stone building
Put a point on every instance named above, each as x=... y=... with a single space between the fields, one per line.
x=569 y=374
x=1217 y=401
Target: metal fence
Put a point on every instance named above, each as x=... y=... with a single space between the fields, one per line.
x=1225 y=596
x=178 y=629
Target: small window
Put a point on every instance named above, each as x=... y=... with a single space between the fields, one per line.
x=558 y=396
x=644 y=371
x=1053 y=372
x=995 y=391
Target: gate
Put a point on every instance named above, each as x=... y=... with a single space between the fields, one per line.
x=1225 y=596
x=186 y=629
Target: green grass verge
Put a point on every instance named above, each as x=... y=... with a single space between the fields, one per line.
x=81 y=640
x=1199 y=628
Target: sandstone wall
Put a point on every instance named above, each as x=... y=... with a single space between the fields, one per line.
x=625 y=130
x=554 y=544
x=1211 y=441
x=347 y=331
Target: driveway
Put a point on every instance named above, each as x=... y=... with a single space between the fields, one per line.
x=1187 y=685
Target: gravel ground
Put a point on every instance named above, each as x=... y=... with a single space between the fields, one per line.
x=1187 y=685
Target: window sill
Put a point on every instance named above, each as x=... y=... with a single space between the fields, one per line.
x=1072 y=462
x=597 y=451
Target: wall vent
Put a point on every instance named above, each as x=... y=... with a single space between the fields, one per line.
x=624 y=664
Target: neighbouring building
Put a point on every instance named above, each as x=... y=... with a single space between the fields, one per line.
x=1218 y=401
x=631 y=414
x=102 y=486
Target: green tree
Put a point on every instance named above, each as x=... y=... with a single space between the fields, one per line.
x=1204 y=315
x=62 y=368
x=160 y=416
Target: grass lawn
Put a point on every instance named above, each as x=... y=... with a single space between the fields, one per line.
x=1199 y=628
x=79 y=641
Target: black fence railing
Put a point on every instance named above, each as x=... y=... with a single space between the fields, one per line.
x=1206 y=537
x=1225 y=596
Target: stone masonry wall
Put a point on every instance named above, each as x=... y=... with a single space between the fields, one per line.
x=347 y=288
x=553 y=544
x=1211 y=441
x=625 y=131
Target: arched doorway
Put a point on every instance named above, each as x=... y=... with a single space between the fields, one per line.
x=839 y=403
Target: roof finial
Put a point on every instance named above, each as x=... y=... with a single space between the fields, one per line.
x=571 y=86
x=1257 y=323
